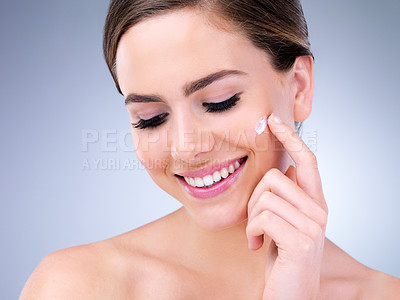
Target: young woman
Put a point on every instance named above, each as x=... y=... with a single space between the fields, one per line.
x=216 y=91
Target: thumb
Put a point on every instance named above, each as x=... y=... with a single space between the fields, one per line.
x=291 y=173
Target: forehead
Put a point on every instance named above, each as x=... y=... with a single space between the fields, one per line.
x=166 y=51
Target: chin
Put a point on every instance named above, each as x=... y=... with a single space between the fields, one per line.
x=216 y=219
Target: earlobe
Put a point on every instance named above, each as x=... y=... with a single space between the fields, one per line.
x=303 y=72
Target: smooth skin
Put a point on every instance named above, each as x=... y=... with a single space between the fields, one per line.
x=264 y=237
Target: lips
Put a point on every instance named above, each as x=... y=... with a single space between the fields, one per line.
x=210 y=184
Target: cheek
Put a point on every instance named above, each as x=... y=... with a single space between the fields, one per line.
x=239 y=133
x=151 y=150
x=239 y=127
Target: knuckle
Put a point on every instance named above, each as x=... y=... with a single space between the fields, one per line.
x=275 y=171
x=249 y=229
x=325 y=208
x=316 y=231
x=266 y=216
x=266 y=196
x=313 y=159
x=272 y=173
x=305 y=244
x=322 y=216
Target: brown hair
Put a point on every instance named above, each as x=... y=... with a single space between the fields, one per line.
x=276 y=26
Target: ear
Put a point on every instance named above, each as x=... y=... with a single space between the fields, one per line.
x=303 y=78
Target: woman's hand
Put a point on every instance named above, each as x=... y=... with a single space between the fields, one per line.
x=290 y=208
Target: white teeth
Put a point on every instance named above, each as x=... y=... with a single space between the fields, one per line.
x=199 y=182
x=216 y=176
x=208 y=180
x=224 y=173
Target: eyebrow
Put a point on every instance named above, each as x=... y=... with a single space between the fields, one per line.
x=188 y=88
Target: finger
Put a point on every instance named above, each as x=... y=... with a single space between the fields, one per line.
x=276 y=182
x=286 y=237
x=307 y=175
x=291 y=173
x=255 y=242
x=280 y=207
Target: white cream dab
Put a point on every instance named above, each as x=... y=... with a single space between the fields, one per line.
x=261 y=125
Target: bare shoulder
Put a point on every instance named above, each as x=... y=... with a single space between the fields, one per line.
x=108 y=269
x=381 y=286
x=343 y=277
x=80 y=272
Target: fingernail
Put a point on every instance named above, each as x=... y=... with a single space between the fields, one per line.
x=276 y=119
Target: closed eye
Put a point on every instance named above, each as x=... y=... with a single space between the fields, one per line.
x=211 y=107
x=222 y=106
x=151 y=123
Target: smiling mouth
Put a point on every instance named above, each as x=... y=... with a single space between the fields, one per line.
x=215 y=177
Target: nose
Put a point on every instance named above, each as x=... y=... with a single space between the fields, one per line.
x=190 y=140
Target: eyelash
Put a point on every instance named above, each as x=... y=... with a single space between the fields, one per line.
x=211 y=108
x=222 y=106
x=151 y=123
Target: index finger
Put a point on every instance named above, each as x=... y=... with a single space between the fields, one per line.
x=307 y=175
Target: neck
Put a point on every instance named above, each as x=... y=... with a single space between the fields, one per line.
x=222 y=248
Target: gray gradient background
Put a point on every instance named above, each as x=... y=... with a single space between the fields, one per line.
x=54 y=84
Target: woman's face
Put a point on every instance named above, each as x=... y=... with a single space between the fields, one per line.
x=174 y=71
